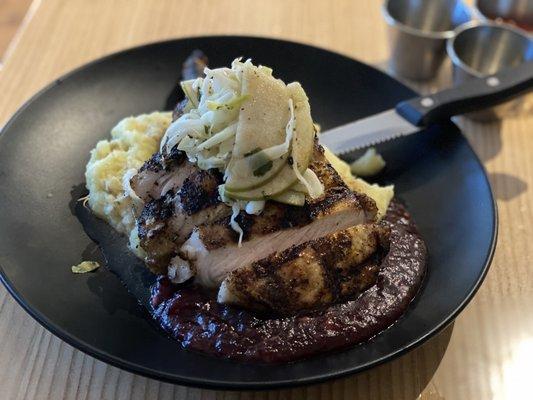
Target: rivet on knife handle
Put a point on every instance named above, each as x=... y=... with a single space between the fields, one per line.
x=471 y=96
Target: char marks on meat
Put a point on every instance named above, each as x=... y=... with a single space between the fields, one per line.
x=213 y=251
x=290 y=258
x=187 y=228
x=168 y=219
x=316 y=273
x=200 y=190
x=156 y=178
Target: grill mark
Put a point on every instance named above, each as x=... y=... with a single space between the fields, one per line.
x=155 y=164
x=277 y=217
x=200 y=190
x=155 y=212
x=340 y=281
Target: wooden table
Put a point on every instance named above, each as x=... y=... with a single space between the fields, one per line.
x=486 y=354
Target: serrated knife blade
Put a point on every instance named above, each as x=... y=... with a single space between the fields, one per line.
x=366 y=132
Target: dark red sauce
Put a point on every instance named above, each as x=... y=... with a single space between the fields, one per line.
x=198 y=322
x=525 y=25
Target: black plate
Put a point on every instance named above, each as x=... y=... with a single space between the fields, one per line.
x=43 y=151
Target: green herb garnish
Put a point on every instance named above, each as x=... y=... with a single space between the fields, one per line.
x=263 y=169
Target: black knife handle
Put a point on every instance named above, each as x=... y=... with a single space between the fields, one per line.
x=473 y=95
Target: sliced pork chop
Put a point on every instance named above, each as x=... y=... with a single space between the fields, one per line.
x=167 y=221
x=212 y=251
x=156 y=178
x=310 y=275
x=187 y=228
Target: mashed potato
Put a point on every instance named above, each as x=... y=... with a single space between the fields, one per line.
x=382 y=195
x=369 y=164
x=133 y=141
x=113 y=162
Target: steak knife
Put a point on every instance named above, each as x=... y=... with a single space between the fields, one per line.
x=412 y=116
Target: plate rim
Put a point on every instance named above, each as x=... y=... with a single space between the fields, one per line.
x=249 y=385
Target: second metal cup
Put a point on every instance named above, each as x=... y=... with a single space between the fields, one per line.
x=516 y=12
x=418 y=30
x=480 y=49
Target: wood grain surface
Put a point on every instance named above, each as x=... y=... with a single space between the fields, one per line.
x=486 y=354
x=12 y=13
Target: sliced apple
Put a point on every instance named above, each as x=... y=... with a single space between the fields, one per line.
x=262 y=122
x=283 y=180
x=304 y=134
x=266 y=177
x=189 y=92
x=290 y=197
x=253 y=171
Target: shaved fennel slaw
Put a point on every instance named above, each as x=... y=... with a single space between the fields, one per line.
x=207 y=131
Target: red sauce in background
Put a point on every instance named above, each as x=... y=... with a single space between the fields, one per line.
x=199 y=323
x=525 y=25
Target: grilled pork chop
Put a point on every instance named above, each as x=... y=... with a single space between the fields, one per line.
x=313 y=274
x=156 y=179
x=177 y=195
x=213 y=251
x=186 y=197
x=184 y=228
x=187 y=227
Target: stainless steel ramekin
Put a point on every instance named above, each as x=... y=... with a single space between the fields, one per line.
x=418 y=30
x=482 y=48
x=516 y=12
